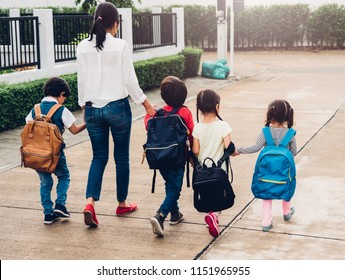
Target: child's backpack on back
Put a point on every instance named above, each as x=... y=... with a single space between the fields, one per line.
x=211 y=185
x=166 y=145
x=275 y=171
x=41 y=142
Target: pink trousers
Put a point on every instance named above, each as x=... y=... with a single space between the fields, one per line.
x=267 y=211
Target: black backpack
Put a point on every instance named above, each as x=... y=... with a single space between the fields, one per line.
x=211 y=185
x=167 y=142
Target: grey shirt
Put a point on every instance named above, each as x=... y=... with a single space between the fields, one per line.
x=278 y=134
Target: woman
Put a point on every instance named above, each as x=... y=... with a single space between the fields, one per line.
x=105 y=78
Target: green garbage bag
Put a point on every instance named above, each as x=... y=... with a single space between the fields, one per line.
x=215 y=69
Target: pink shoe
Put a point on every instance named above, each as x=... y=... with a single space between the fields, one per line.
x=90 y=218
x=212 y=222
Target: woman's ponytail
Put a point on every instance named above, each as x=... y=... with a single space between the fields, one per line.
x=105 y=17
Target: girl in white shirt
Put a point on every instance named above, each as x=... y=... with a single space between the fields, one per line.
x=106 y=77
x=210 y=137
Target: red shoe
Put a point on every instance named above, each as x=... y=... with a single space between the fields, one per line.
x=121 y=211
x=212 y=222
x=90 y=218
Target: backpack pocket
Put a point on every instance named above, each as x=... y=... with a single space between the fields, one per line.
x=212 y=190
x=39 y=160
x=164 y=156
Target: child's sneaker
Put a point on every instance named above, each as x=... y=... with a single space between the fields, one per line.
x=175 y=217
x=157 y=223
x=289 y=216
x=267 y=228
x=61 y=210
x=50 y=218
x=212 y=222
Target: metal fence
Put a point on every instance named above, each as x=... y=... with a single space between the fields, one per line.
x=19 y=36
x=69 y=30
x=154 y=30
x=19 y=42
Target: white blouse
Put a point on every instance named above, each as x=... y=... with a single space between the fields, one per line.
x=107 y=75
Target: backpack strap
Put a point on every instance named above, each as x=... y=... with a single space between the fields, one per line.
x=195 y=160
x=227 y=153
x=268 y=136
x=38 y=112
x=53 y=110
x=154 y=180
x=287 y=138
x=226 y=157
x=37 y=109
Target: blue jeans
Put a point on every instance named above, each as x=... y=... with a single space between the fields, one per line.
x=46 y=185
x=115 y=117
x=173 y=185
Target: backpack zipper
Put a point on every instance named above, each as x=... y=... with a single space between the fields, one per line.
x=273 y=181
x=161 y=148
x=36 y=155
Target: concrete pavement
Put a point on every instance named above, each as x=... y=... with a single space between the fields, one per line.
x=312 y=82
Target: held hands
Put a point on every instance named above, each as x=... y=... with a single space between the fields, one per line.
x=235 y=154
x=150 y=109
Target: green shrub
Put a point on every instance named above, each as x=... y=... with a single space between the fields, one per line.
x=192 y=62
x=151 y=72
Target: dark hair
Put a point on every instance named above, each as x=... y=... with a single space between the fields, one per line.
x=280 y=111
x=173 y=91
x=206 y=102
x=55 y=86
x=105 y=16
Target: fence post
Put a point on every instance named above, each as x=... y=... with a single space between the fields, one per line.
x=15 y=37
x=127 y=29
x=45 y=20
x=180 y=27
x=157 y=38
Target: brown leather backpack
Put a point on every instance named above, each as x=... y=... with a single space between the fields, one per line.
x=41 y=142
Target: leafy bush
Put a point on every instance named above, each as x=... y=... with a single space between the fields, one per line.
x=151 y=72
x=282 y=26
x=327 y=26
x=192 y=62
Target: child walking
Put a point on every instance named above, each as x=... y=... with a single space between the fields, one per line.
x=279 y=118
x=211 y=136
x=174 y=93
x=56 y=90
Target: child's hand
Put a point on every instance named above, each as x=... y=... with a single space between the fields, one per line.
x=235 y=154
x=150 y=109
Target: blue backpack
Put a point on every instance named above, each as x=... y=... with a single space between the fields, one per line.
x=275 y=171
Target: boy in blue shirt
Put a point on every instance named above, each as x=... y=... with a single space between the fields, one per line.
x=56 y=90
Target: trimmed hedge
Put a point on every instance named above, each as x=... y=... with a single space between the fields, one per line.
x=18 y=99
x=191 y=62
x=151 y=72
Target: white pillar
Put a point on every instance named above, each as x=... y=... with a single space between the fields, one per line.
x=157 y=37
x=232 y=30
x=126 y=25
x=45 y=20
x=222 y=42
x=15 y=37
x=180 y=27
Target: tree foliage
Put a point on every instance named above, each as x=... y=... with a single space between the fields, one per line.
x=90 y=5
x=278 y=26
